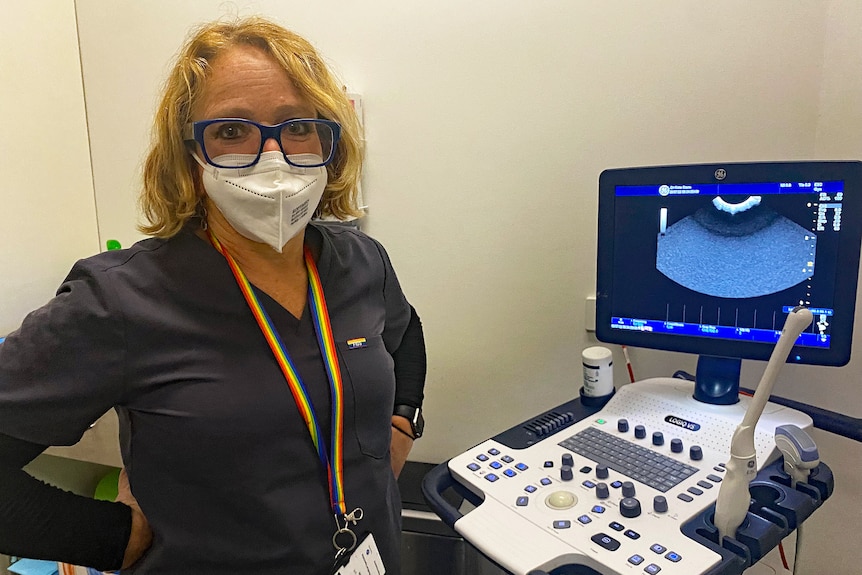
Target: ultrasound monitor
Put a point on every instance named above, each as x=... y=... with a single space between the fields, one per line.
x=710 y=258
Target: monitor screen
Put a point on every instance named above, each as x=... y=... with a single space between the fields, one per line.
x=710 y=258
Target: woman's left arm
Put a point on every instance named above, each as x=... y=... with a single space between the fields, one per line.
x=410 y=368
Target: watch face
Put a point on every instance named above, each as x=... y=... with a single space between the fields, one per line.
x=419 y=425
x=414 y=416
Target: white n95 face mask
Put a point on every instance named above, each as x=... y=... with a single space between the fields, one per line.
x=269 y=202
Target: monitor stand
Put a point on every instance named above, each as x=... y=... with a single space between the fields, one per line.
x=717 y=380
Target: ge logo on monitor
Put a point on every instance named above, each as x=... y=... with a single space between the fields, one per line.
x=720 y=174
x=664 y=190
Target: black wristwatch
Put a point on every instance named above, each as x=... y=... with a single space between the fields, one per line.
x=414 y=416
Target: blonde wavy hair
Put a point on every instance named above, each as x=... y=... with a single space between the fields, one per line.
x=170 y=195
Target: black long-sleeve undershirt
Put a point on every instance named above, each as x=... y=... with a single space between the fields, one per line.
x=40 y=521
x=410 y=364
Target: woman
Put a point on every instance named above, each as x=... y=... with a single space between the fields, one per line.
x=267 y=370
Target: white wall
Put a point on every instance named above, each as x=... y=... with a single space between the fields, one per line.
x=488 y=123
x=47 y=207
x=487 y=126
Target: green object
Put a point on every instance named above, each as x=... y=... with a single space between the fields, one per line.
x=106 y=489
x=113 y=245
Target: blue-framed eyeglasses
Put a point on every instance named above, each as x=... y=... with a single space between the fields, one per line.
x=305 y=142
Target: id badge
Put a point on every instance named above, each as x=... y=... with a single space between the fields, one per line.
x=363 y=560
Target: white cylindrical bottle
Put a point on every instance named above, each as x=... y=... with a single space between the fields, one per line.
x=598 y=371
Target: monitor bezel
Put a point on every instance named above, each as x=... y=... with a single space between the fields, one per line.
x=751 y=172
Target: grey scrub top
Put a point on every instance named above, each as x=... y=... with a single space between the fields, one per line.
x=217 y=454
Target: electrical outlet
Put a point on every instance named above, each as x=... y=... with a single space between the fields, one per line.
x=590 y=313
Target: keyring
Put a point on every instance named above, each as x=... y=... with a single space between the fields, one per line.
x=340 y=547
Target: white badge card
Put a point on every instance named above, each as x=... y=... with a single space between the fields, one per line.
x=364 y=560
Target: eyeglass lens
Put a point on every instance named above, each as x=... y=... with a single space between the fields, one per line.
x=297 y=137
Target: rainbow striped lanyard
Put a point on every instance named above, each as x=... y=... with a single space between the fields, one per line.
x=320 y=316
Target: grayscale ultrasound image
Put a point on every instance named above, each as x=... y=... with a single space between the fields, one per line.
x=736 y=255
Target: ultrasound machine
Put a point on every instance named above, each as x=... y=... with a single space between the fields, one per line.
x=682 y=475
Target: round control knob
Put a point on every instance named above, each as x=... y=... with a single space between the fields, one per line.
x=657 y=438
x=640 y=431
x=566 y=473
x=568 y=460
x=676 y=445
x=659 y=504
x=630 y=507
x=561 y=500
x=602 y=471
x=628 y=489
x=695 y=452
x=602 y=491
x=623 y=425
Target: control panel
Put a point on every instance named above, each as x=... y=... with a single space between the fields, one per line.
x=610 y=491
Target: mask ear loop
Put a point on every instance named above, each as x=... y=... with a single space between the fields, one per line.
x=204 y=216
x=201 y=212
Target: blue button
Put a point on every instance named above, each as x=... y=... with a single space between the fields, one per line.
x=482 y=457
x=617 y=484
x=545 y=481
x=494 y=451
x=491 y=477
x=522 y=501
x=496 y=464
x=549 y=464
x=521 y=467
x=636 y=559
x=616 y=526
x=585 y=519
x=652 y=569
x=588 y=483
x=632 y=534
x=507 y=458
x=562 y=524
x=530 y=488
x=598 y=509
x=675 y=557
x=473 y=467
x=510 y=473
x=656 y=548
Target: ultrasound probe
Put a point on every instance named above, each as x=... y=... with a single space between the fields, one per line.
x=734 y=497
